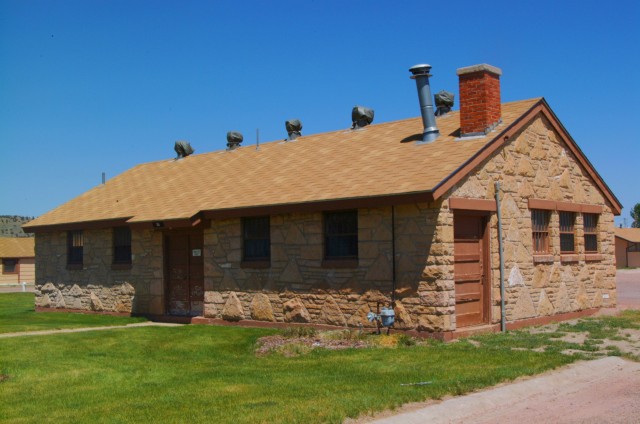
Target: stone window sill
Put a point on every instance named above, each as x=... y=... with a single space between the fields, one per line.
x=120 y=267
x=255 y=264
x=592 y=257
x=340 y=263
x=542 y=259
x=569 y=257
x=74 y=267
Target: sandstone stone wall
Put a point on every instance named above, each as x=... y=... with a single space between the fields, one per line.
x=536 y=164
x=298 y=288
x=98 y=286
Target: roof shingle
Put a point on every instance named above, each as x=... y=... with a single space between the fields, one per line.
x=17 y=247
x=629 y=234
x=344 y=164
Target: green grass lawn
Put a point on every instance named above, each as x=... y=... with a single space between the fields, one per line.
x=211 y=374
x=17 y=313
x=204 y=374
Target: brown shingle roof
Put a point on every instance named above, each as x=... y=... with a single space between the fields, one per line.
x=17 y=247
x=629 y=234
x=344 y=164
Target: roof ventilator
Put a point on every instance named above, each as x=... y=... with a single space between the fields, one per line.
x=421 y=75
x=444 y=102
x=183 y=149
x=294 y=128
x=234 y=139
x=361 y=117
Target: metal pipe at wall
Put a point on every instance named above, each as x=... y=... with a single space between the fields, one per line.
x=503 y=318
x=393 y=254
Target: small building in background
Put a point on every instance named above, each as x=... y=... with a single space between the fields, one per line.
x=628 y=247
x=18 y=260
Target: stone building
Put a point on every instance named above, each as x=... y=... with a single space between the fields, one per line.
x=324 y=228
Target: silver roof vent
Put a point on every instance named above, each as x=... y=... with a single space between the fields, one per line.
x=421 y=75
x=183 y=149
x=294 y=128
x=361 y=117
x=234 y=139
x=444 y=102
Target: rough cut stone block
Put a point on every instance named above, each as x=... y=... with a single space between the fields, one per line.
x=331 y=313
x=261 y=309
x=545 y=307
x=403 y=319
x=295 y=311
x=524 y=305
x=232 y=310
x=96 y=303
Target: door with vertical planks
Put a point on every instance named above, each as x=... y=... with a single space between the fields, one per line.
x=184 y=273
x=470 y=269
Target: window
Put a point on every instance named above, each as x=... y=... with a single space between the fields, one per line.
x=633 y=247
x=540 y=231
x=567 y=234
x=341 y=235
x=9 y=266
x=590 y=232
x=122 y=245
x=256 y=239
x=75 y=243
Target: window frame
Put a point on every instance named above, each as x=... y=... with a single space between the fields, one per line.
x=121 y=242
x=75 y=253
x=591 y=231
x=567 y=229
x=330 y=236
x=252 y=237
x=16 y=266
x=540 y=231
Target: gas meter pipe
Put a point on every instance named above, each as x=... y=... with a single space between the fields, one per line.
x=503 y=320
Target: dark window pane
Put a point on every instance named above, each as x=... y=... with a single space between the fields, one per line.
x=75 y=243
x=567 y=236
x=590 y=243
x=122 y=245
x=566 y=221
x=256 y=238
x=590 y=222
x=341 y=235
x=9 y=266
x=540 y=230
x=567 y=243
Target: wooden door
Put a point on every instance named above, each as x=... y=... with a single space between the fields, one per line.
x=184 y=273
x=470 y=270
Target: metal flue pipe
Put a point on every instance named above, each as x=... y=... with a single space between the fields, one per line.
x=421 y=75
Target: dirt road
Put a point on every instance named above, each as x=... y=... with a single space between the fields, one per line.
x=602 y=391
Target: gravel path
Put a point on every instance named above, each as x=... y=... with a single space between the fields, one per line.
x=601 y=391
x=83 y=329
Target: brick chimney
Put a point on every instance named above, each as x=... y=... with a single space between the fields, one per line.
x=479 y=99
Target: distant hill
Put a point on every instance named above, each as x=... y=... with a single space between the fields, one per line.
x=11 y=225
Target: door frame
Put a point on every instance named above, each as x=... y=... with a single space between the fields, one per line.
x=487 y=269
x=165 y=261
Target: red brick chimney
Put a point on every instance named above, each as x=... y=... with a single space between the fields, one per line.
x=479 y=99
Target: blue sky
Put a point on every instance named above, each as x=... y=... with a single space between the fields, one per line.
x=99 y=86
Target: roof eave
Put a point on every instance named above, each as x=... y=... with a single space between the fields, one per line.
x=503 y=137
x=321 y=205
